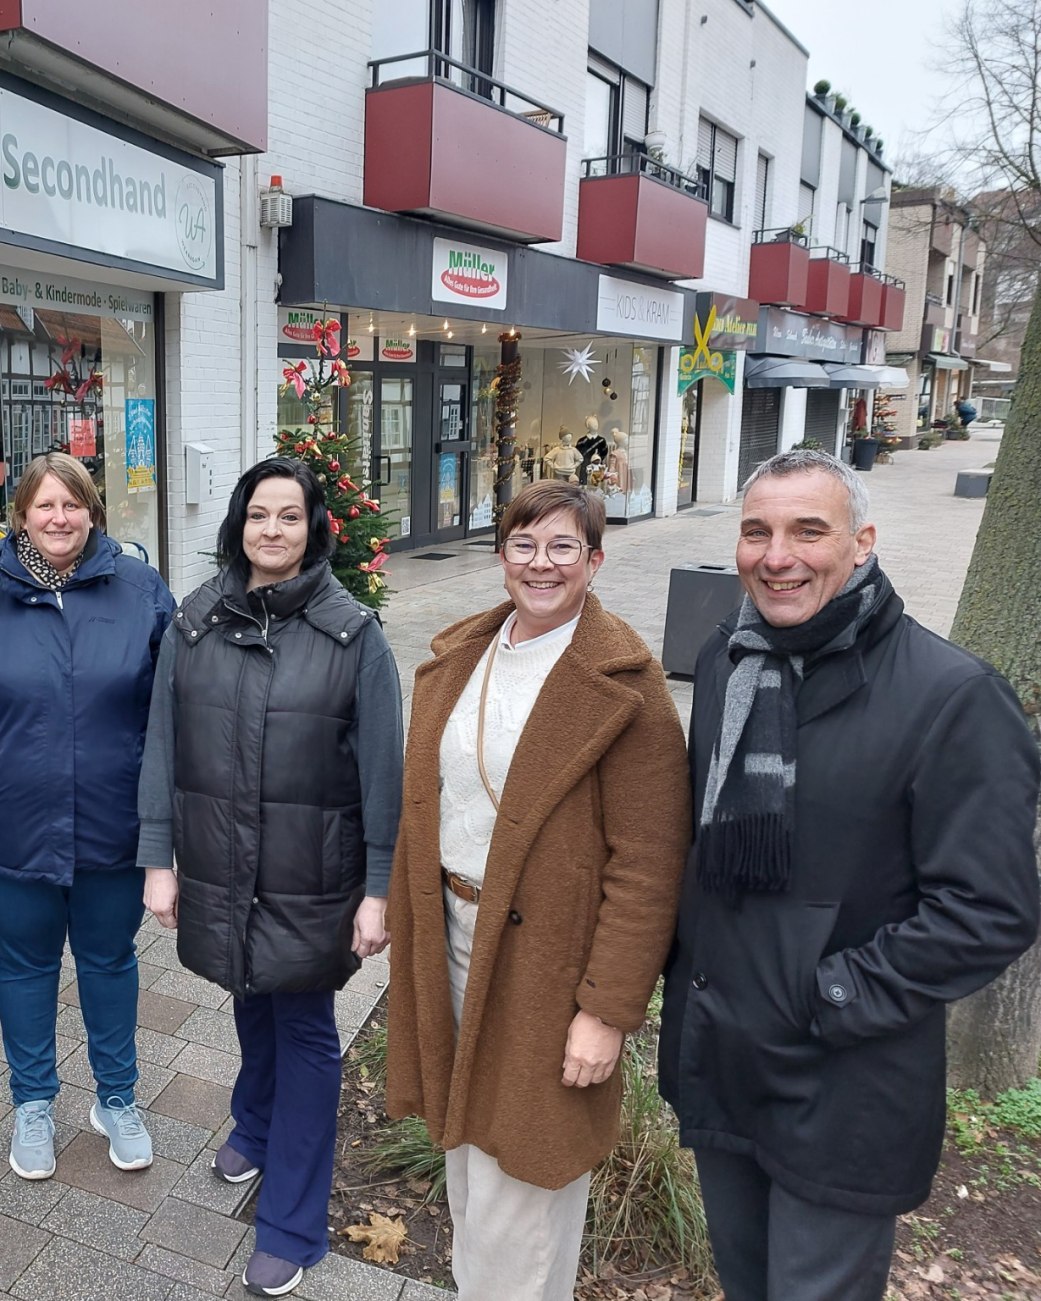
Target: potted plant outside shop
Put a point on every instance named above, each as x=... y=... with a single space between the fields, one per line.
x=865 y=449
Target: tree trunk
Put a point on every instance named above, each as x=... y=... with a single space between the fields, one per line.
x=994 y=1037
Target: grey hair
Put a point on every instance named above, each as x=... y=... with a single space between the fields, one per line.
x=802 y=461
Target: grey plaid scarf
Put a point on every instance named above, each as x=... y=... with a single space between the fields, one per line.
x=748 y=815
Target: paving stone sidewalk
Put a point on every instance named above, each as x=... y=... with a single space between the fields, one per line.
x=172 y=1233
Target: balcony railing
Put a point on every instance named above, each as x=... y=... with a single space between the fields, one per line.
x=636 y=162
x=436 y=130
x=781 y=235
x=432 y=65
x=637 y=212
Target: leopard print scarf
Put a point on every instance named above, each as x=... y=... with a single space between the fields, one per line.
x=40 y=569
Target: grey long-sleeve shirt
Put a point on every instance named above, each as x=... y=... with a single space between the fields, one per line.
x=375 y=739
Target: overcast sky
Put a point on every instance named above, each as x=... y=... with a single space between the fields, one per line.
x=881 y=55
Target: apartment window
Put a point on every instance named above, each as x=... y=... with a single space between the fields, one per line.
x=842 y=216
x=868 y=241
x=950 y=289
x=807 y=204
x=762 y=184
x=975 y=295
x=616 y=115
x=465 y=31
x=717 y=168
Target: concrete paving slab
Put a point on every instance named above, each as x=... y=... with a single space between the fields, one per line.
x=147 y=975
x=414 y=1291
x=97 y=1222
x=212 y=1028
x=207 y=1063
x=154 y=1046
x=193 y=1100
x=194 y=1231
x=189 y=987
x=85 y=1164
x=29 y=1200
x=176 y=1139
x=20 y=1244
x=67 y=1271
x=160 y=1012
x=197 y=1277
x=201 y=1187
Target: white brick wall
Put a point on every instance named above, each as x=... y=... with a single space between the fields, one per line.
x=745 y=73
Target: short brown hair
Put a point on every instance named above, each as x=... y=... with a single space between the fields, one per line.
x=537 y=500
x=70 y=473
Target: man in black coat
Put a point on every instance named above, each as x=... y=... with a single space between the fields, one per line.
x=865 y=796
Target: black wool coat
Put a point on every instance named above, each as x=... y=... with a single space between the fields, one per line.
x=806 y=1029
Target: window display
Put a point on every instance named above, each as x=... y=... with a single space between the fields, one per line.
x=85 y=384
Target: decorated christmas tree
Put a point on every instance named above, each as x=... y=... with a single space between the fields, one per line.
x=358 y=524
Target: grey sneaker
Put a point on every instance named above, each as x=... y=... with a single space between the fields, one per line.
x=232 y=1166
x=32 y=1143
x=267 y=1275
x=129 y=1146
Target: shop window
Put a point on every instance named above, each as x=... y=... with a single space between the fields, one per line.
x=717 y=168
x=85 y=384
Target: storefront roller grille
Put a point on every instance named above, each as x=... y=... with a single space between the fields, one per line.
x=822 y=416
x=760 y=422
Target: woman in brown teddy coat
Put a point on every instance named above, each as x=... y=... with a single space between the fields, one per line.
x=546 y=818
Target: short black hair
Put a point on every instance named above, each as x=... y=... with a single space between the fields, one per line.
x=320 y=544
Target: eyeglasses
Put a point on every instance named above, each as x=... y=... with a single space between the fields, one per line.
x=561 y=551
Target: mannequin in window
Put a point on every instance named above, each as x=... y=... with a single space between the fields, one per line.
x=563 y=461
x=618 y=461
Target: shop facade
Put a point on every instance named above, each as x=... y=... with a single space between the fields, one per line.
x=427 y=312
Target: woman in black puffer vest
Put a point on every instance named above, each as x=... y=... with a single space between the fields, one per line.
x=273 y=771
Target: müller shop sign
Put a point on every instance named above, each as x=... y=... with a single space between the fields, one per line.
x=466 y=273
x=82 y=187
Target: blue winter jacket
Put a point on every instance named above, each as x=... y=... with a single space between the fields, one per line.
x=76 y=672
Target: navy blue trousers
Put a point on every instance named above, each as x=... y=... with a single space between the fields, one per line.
x=100 y=913
x=284 y=1106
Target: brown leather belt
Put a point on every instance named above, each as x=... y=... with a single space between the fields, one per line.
x=460 y=888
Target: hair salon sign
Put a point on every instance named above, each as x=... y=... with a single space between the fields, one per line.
x=467 y=273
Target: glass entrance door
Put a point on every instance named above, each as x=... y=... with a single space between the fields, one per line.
x=395 y=468
x=452 y=449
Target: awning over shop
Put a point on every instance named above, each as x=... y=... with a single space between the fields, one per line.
x=840 y=376
x=1003 y=366
x=779 y=372
x=892 y=376
x=943 y=362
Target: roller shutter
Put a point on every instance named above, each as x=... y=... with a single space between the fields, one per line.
x=822 y=416
x=760 y=425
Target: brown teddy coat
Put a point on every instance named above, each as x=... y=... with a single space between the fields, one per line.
x=577 y=910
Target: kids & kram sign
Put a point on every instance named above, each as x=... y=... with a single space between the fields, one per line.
x=83 y=187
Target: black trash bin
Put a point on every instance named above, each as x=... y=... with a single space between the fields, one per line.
x=700 y=596
x=864 y=452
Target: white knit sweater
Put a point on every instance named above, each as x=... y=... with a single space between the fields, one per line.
x=467 y=812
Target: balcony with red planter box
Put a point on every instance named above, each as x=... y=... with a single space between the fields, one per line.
x=894 y=294
x=640 y=214
x=779 y=267
x=866 y=286
x=827 y=282
x=444 y=140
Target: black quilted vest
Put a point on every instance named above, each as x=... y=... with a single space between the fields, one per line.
x=267 y=812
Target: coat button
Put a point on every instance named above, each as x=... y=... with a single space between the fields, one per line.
x=214 y=618
x=699 y=980
x=343 y=634
x=515 y=917
x=193 y=633
x=255 y=899
x=838 y=993
x=238 y=634
x=32 y=600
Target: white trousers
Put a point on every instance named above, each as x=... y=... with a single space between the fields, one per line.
x=512 y=1241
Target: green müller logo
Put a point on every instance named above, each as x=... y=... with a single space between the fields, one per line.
x=103 y=185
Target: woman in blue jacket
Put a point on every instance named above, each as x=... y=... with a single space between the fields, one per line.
x=80 y=627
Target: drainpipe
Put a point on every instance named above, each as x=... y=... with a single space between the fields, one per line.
x=249 y=226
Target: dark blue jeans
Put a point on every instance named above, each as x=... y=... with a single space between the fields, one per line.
x=284 y=1106
x=99 y=913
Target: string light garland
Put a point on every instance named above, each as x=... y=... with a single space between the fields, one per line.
x=505 y=385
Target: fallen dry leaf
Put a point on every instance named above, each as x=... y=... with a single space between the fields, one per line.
x=383 y=1238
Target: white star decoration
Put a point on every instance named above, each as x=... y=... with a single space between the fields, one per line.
x=580 y=361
